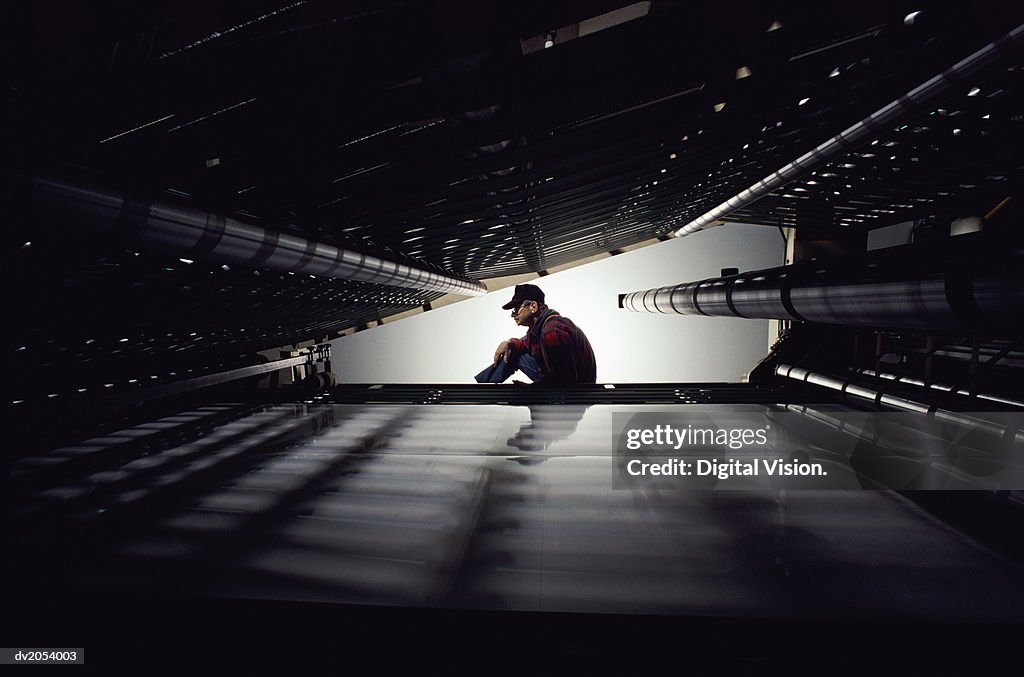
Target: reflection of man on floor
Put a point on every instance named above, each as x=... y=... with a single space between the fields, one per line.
x=554 y=352
x=548 y=424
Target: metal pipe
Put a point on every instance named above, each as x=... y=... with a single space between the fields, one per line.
x=868 y=128
x=174 y=230
x=207 y=380
x=881 y=400
x=966 y=288
x=941 y=387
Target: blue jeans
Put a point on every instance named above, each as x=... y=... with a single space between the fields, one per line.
x=499 y=373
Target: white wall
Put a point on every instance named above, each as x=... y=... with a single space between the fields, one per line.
x=452 y=343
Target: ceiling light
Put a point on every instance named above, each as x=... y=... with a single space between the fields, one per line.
x=834 y=73
x=776 y=25
x=743 y=72
x=974 y=92
x=803 y=101
x=718 y=108
x=672 y=156
x=549 y=40
x=911 y=18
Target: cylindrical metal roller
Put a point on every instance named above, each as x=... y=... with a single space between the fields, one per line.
x=314 y=384
x=762 y=291
x=963 y=285
x=180 y=231
x=865 y=393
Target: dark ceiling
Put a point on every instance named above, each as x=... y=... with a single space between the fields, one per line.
x=434 y=135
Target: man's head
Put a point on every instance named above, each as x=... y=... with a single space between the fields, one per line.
x=527 y=302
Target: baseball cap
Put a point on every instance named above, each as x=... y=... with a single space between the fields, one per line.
x=524 y=292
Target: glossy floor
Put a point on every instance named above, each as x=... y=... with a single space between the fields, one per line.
x=484 y=507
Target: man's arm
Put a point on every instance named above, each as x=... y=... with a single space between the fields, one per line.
x=507 y=349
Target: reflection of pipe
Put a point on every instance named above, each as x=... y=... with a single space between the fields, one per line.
x=976 y=288
x=884 y=442
x=880 y=399
x=868 y=128
x=170 y=229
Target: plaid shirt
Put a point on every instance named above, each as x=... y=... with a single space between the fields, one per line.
x=561 y=348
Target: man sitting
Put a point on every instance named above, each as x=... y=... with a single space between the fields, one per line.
x=554 y=352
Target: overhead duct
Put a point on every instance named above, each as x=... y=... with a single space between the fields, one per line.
x=909 y=104
x=970 y=287
x=174 y=230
